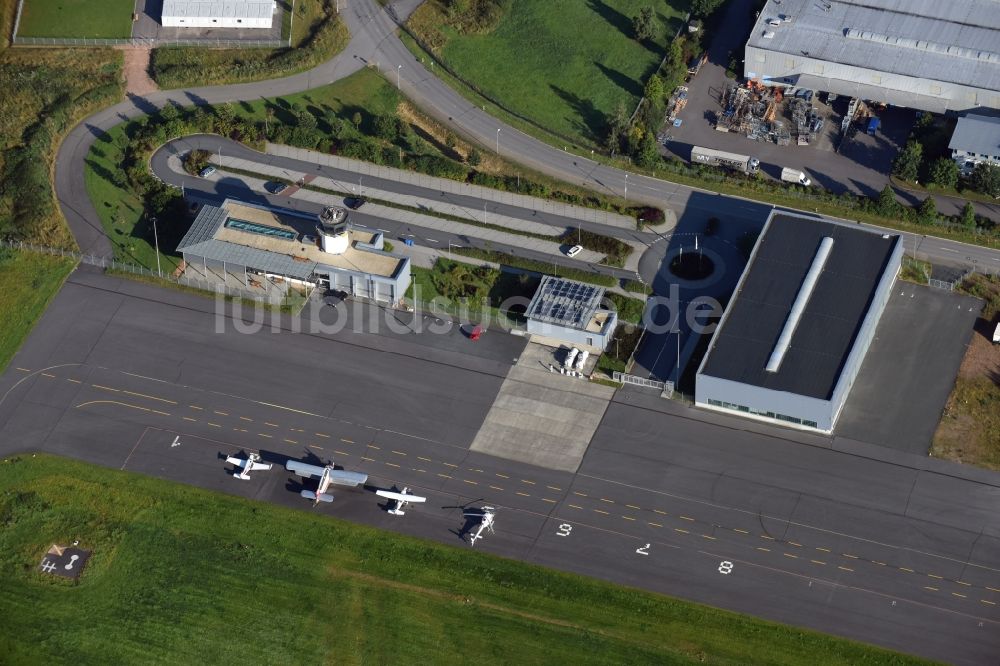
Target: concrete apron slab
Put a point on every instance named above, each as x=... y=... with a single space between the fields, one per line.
x=542 y=418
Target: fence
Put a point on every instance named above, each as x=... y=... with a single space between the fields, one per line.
x=153 y=42
x=666 y=54
x=666 y=389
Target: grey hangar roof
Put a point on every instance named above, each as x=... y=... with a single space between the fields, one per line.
x=977 y=134
x=218 y=8
x=955 y=41
x=564 y=302
x=832 y=317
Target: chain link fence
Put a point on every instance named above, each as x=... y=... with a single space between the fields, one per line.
x=152 y=43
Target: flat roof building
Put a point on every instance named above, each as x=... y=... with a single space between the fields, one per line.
x=976 y=139
x=921 y=54
x=217 y=13
x=796 y=331
x=571 y=312
x=247 y=240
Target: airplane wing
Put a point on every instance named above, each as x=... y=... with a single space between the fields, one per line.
x=304 y=470
x=257 y=465
x=344 y=478
x=400 y=497
x=239 y=462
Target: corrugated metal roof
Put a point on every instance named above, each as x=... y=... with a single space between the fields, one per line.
x=830 y=321
x=204 y=227
x=218 y=8
x=564 y=302
x=954 y=41
x=261 y=260
x=977 y=134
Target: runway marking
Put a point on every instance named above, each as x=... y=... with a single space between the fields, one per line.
x=398 y=453
x=766 y=550
x=75 y=381
x=424 y=459
x=273 y=425
x=550 y=501
x=106 y=388
x=115 y=402
x=962 y=582
x=372 y=446
x=654 y=524
x=662 y=513
x=686 y=518
x=347 y=441
x=825 y=550
x=291 y=441
x=935 y=576
x=600 y=511
x=764 y=536
x=574 y=506
x=853 y=557
x=220 y=413
x=956 y=594
x=792 y=543
x=818 y=562
x=188 y=418
x=530 y=483
x=794 y=557
x=368 y=459
x=245 y=418
x=319 y=434
x=706 y=536
x=240 y=429
x=932 y=589
x=390 y=464
x=45 y=374
x=502 y=476
x=633 y=506
x=677 y=529
x=313 y=446
x=523 y=494
x=214 y=425
x=471 y=469
x=881 y=564
x=496 y=488
x=905 y=569
x=156 y=411
x=628 y=518
x=554 y=488
x=200 y=409
x=991 y=603
x=422 y=471
x=263 y=434
x=444 y=475
x=605 y=499
x=341 y=453
x=992 y=589
x=579 y=493
x=471 y=483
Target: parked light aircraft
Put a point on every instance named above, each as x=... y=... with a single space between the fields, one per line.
x=252 y=463
x=401 y=499
x=486 y=516
x=328 y=476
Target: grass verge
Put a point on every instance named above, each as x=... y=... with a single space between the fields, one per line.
x=620 y=349
x=542 y=267
x=171 y=566
x=28 y=281
x=318 y=34
x=91 y=19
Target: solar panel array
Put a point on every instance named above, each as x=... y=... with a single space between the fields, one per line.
x=565 y=302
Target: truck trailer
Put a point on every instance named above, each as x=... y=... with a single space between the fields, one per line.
x=795 y=176
x=744 y=163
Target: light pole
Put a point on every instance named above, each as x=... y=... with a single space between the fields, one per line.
x=626 y=188
x=398 y=67
x=498 y=141
x=156 y=241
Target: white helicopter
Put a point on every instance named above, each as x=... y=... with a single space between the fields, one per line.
x=251 y=463
x=486 y=516
x=401 y=499
x=327 y=476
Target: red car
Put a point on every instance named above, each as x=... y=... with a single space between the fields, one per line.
x=476 y=332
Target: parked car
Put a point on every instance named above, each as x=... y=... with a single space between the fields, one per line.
x=354 y=203
x=275 y=187
x=207 y=171
x=573 y=251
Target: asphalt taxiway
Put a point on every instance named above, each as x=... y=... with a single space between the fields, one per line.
x=835 y=535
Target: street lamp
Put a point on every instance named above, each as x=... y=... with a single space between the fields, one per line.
x=156 y=241
x=398 y=67
x=626 y=188
x=498 y=141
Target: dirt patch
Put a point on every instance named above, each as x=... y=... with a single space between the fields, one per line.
x=136 y=71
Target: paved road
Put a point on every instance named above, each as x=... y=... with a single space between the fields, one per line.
x=844 y=537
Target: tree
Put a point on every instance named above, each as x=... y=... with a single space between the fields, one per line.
x=643 y=24
x=704 y=7
x=306 y=120
x=648 y=153
x=927 y=212
x=986 y=179
x=386 y=127
x=944 y=172
x=356 y=119
x=654 y=90
x=968 y=215
x=474 y=158
x=617 y=128
x=886 y=204
x=907 y=162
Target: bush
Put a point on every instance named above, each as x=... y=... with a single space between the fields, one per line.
x=943 y=172
x=613 y=248
x=629 y=309
x=985 y=179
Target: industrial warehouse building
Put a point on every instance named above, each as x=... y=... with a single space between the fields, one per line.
x=257 y=246
x=571 y=312
x=921 y=54
x=797 y=329
x=976 y=139
x=217 y=13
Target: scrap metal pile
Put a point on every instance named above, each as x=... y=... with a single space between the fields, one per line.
x=753 y=110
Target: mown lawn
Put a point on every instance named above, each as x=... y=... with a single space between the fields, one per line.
x=565 y=65
x=77 y=18
x=183 y=575
x=28 y=281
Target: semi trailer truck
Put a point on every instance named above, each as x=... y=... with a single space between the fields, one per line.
x=734 y=161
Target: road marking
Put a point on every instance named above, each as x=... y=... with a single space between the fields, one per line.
x=845 y=569
x=432 y=240
x=991 y=603
x=792 y=543
x=764 y=536
x=962 y=582
x=818 y=562
x=444 y=475
x=662 y=513
x=579 y=493
x=496 y=488
x=395 y=465
x=106 y=388
x=263 y=434
x=291 y=441
x=398 y=453
x=599 y=511
x=313 y=446
x=556 y=488
x=45 y=374
x=273 y=425
x=706 y=536
x=319 y=434
x=424 y=459
x=341 y=453
x=246 y=418
x=502 y=476
x=736 y=529
x=633 y=506
x=677 y=529
x=422 y=471
x=932 y=589
x=956 y=594
x=156 y=411
x=471 y=469
x=905 y=569
x=881 y=564
x=686 y=518
x=605 y=499
x=628 y=518
x=766 y=550
x=992 y=589
x=523 y=494
x=530 y=483
x=575 y=506
x=794 y=557
x=200 y=409
x=372 y=446
x=368 y=459
x=825 y=550
x=347 y=441
x=24 y=370
x=654 y=524
x=188 y=418
x=75 y=381
x=935 y=576
x=550 y=501
x=214 y=425
x=240 y=429
x=471 y=483
x=853 y=557
x=220 y=413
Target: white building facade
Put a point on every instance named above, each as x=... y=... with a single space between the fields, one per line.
x=218 y=13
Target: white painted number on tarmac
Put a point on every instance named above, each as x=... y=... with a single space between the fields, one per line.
x=565 y=529
x=725 y=567
x=644 y=550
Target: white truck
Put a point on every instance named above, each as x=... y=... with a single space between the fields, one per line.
x=744 y=163
x=795 y=176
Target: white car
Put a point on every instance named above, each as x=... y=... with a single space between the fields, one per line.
x=573 y=251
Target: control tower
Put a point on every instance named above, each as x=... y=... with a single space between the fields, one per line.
x=333 y=230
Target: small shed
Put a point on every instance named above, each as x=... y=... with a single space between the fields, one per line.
x=571 y=312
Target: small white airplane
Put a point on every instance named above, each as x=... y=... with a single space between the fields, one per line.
x=328 y=476
x=401 y=499
x=486 y=516
x=252 y=463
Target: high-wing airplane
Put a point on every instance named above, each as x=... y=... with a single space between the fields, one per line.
x=328 y=476
x=401 y=499
x=252 y=463
x=486 y=516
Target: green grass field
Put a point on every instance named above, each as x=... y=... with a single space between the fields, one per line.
x=77 y=18
x=28 y=281
x=182 y=575
x=565 y=65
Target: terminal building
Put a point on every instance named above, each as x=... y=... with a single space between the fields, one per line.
x=570 y=312
x=797 y=329
x=920 y=54
x=252 y=244
x=217 y=13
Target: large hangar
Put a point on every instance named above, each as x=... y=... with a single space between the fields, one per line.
x=921 y=54
x=797 y=329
